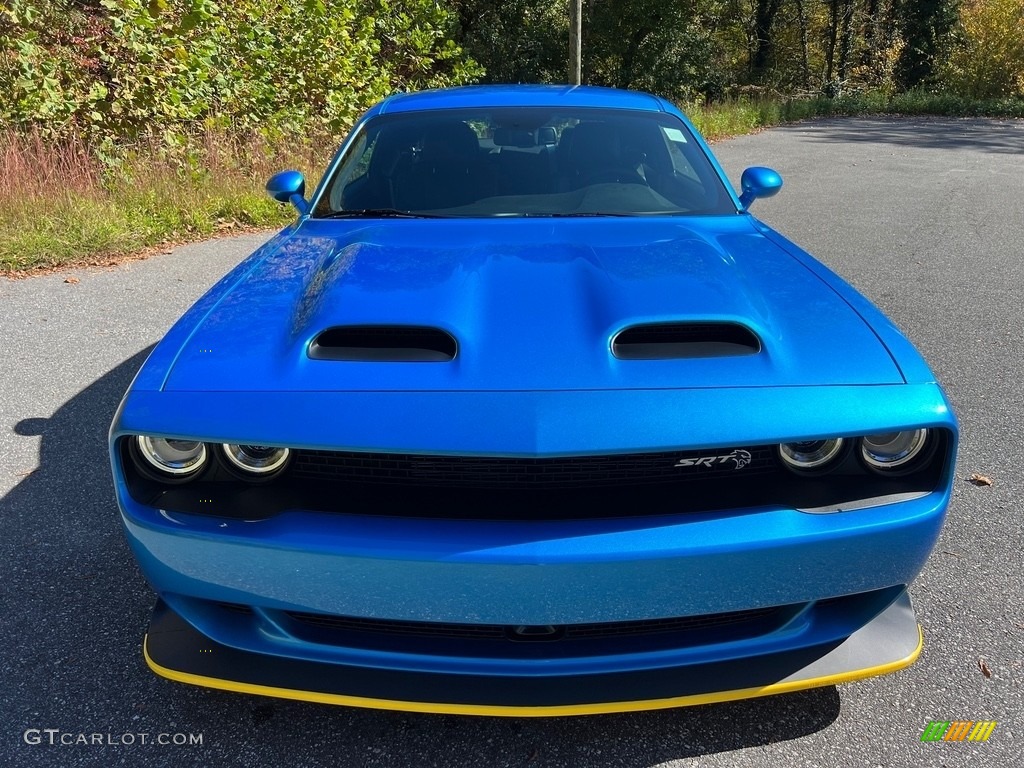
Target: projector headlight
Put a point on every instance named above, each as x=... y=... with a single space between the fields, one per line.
x=256 y=460
x=174 y=458
x=811 y=455
x=891 y=450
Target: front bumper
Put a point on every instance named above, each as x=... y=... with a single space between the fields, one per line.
x=398 y=567
x=534 y=572
x=834 y=585
x=889 y=642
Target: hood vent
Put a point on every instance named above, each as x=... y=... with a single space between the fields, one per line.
x=675 y=341
x=384 y=344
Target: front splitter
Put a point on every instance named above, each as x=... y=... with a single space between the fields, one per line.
x=176 y=650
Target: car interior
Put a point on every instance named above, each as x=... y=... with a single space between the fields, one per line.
x=489 y=168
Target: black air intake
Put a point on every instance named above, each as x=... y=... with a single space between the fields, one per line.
x=384 y=344
x=673 y=341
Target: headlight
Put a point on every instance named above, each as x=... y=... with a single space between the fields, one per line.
x=256 y=459
x=892 y=449
x=172 y=457
x=810 y=454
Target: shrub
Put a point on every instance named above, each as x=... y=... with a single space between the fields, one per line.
x=988 y=60
x=118 y=69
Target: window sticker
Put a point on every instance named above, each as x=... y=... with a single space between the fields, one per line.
x=674 y=134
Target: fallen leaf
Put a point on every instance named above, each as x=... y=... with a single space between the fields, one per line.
x=984 y=668
x=980 y=480
x=71 y=279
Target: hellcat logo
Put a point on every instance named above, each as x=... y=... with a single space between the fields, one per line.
x=739 y=456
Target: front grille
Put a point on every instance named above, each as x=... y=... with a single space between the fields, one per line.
x=417 y=628
x=519 y=473
x=716 y=621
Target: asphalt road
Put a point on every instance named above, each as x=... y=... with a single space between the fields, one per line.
x=925 y=217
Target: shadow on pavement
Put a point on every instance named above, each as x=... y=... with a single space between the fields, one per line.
x=73 y=609
x=982 y=134
x=70 y=596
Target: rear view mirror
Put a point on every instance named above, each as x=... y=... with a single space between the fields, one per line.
x=514 y=137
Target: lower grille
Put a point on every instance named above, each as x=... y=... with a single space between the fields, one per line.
x=521 y=473
x=568 y=631
x=417 y=628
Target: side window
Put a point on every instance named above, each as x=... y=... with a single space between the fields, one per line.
x=355 y=167
x=366 y=156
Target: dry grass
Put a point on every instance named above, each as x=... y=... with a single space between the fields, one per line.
x=60 y=205
x=32 y=167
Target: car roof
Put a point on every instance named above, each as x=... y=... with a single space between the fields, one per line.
x=520 y=96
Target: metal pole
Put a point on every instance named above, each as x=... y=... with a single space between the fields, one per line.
x=575 y=41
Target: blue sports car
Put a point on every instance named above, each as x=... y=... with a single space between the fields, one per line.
x=527 y=415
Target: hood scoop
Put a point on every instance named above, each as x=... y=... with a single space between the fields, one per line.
x=678 y=341
x=384 y=344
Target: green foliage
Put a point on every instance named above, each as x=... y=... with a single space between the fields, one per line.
x=117 y=71
x=662 y=46
x=517 y=41
x=416 y=45
x=988 y=58
x=43 y=57
x=653 y=45
x=925 y=26
x=682 y=48
x=170 y=65
x=921 y=102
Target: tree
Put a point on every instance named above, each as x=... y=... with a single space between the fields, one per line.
x=516 y=41
x=988 y=59
x=653 y=45
x=764 y=20
x=925 y=26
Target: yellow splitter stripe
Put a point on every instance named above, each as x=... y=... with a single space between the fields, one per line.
x=544 y=711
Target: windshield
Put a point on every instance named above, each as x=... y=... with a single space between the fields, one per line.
x=524 y=161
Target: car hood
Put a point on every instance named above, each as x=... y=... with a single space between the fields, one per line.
x=533 y=304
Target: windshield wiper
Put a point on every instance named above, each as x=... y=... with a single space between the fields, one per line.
x=585 y=214
x=378 y=213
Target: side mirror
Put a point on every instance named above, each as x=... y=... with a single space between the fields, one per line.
x=758 y=182
x=289 y=187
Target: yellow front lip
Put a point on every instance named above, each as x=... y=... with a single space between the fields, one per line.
x=545 y=711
